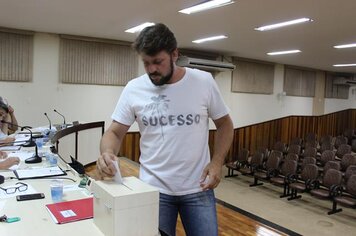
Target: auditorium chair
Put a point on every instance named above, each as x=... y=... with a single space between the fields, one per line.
x=254 y=164
x=279 y=146
x=325 y=139
x=294 y=148
x=340 y=140
x=342 y=150
x=240 y=161
x=289 y=168
x=309 y=152
x=296 y=141
x=302 y=183
x=345 y=197
x=347 y=160
x=325 y=190
x=326 y=156
x=271 y=168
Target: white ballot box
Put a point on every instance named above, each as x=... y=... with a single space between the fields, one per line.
x=126 y=209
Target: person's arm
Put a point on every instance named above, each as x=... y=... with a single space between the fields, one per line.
x=223 y=139
x=109 y=148
x=13 y=120
x=8 y=162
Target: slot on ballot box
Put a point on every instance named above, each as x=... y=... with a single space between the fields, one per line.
x=126 y=209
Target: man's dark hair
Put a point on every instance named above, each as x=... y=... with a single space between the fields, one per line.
x=154 y=39
x=4 y=106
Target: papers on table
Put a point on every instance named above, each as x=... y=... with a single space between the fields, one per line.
x=21 y=139
x=34 y=173
x=10 y=148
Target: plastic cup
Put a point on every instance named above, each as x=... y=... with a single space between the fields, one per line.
x=56 y=190
x=52 y=159
x=39 y=143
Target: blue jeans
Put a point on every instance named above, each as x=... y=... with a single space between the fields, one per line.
x=197 y=212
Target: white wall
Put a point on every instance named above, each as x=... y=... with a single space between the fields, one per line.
x=87 y=103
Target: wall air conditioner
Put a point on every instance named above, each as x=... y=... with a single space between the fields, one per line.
x=344 y=81
x=209 y=65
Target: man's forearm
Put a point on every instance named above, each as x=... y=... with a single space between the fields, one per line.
x=223 y=139
x=110 y=143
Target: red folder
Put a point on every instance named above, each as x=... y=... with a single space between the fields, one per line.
x=69 y=211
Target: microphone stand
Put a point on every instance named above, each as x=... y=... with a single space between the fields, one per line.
x=35 y=158
x=64 y=119
x=50 y=124
x=31 y=142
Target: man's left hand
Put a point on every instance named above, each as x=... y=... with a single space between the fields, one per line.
x=211 y=176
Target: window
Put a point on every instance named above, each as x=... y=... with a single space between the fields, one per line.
x=299 y=82
x=16 y=55
x=252 y=77
x=94 y=61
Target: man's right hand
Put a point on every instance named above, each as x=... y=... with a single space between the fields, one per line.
x=105 y=165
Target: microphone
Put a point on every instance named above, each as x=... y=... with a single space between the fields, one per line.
x=64 y=122
x=50 y=124
x=31 y=141
x=35 y=158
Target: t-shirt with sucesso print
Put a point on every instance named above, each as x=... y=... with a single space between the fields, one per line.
x=173 y=120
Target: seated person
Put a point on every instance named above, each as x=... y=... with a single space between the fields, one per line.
x=10 y=116
x=4 y=112
x=7 y=162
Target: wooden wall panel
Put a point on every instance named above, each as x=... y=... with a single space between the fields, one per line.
x=265 y=134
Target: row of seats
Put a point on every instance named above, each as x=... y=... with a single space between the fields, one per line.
x=328 y=173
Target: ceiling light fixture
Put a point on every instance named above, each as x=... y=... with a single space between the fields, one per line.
x=139 y=27
x=210 y=39
x=352 y=45
x=283 y=52
x=344 y=65
x=206 y=6
x=283 y=24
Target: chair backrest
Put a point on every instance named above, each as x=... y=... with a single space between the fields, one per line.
x=347 y=160
x=326 y=156
x=296 y=141
x=289 y=167
x=292 y=156
x=257 y=159
x=273 y=160
x=332 y=165
x=312 y=143
x=310 y=152
x=294 y=148
x=310 y=171
x=340 y=140
x=332 y=177
x=351 y=170
x=308 y=160
x=351 y=185
x=326 y=139
x=326 y=146
x=342 y=150
x=353 y=145
x=349 y=133
x=310 y=137
x=279 y=146
x=264 y=151
x=242 y=155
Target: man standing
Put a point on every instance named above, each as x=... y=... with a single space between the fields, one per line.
x=172 y=105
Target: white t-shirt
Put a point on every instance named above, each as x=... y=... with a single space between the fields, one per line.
x=174 y=126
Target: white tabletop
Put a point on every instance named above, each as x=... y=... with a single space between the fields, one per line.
x=35 y=219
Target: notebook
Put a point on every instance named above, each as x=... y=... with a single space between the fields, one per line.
x=69 y=211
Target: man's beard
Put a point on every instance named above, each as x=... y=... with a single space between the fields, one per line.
x=164 y=79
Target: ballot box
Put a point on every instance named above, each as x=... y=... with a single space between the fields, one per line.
x=126 y=209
